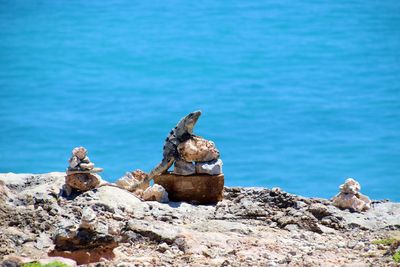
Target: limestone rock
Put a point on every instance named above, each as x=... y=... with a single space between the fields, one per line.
x=86 y=166
x=156 y=193
x=83 y=181
x=85 y=245
x=134 y=181
x=88 y=220
x=212 y=167
x=198 y=149
x=79 y=152
x=182 y=167
x=351 y=198
x=115 y=198
x=73 y=162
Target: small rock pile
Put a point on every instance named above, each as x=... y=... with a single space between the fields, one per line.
x=350 y=197
x=90 y=242
x=81 y=173
x=198 y=156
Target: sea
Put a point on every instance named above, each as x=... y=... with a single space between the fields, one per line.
x=295 y=94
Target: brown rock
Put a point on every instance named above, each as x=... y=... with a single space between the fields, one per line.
x=203 y=189
x=198 y=149
x=83 y=181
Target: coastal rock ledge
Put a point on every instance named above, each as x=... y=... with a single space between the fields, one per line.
x=250 y=227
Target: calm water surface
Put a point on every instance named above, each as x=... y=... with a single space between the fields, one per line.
x=295 y=94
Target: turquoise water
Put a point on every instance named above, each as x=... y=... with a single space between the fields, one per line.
x=295 y=94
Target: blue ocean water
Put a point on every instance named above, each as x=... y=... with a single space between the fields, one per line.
x=295 y=94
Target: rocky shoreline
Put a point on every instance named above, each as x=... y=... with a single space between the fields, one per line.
x=110 y=226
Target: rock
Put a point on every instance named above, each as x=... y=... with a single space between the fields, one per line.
x=4 y=192
x=83 y=181
x=350 y=197
x=182 y=167
x=88 y=220
x=159 y=231
x=318 y=210
x=198 y=149
x=134 y=181
x=201 y=189
x=73 y=162
x=75 y=171
x=156 y=193
x=79 y=152
x=86 y=166
x=84 y=245
x=163 y=247
x=211 y=168
x=114 y=198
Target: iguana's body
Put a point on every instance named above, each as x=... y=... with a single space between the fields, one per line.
x=182 y=132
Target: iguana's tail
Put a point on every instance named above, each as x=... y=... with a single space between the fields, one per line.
x=162 y=167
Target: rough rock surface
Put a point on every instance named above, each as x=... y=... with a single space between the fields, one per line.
x=83 y=181
x=196 y=189
x=182 y=167
x=134 y=181
x=198 y=149
x=156 y=193
x=211 y=168
x=250 y=227
x=351 y=198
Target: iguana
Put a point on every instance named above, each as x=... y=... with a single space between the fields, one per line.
x=182 y=132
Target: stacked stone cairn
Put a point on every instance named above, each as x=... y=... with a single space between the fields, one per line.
x=350 y=197
x=198 y=156
x=81 y=173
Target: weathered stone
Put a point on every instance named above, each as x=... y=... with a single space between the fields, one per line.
x=88 y=220
x=203 y=189
x=115 y=198
x=182 y=167
x=134 y=181
x=83 y=181
x=198 y=149
x=211 y=168
x=79 y=152
x=78 y=170
x=73 y=162
x=156 y=193
x=84 y=245
x=351 y=198
x=86 y=166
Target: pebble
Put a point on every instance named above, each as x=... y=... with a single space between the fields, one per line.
x=211 y=168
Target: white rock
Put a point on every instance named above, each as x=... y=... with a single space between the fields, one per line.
x=86 y=166
x=182 y=167
x=350 y=186
x=117 y=198
x=212 y=167
x=156 y=193
x=73 y=162
x=88 y=220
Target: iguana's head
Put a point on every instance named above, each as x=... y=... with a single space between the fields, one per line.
x=187 y=123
